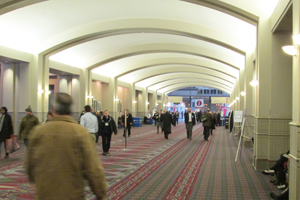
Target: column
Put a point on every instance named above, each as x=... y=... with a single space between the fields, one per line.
x=132 y=101
x=294 y=171
x=273 y=98
x=146 y=102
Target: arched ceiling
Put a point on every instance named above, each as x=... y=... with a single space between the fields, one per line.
x=149 y=43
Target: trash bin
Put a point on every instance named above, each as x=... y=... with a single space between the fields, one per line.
x=149 y=121
x=137 y=122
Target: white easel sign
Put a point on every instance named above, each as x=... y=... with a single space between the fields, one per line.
x=238 y=116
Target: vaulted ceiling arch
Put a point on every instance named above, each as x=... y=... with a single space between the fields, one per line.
x=149 y=82
x=184 y=85
x=169 y=82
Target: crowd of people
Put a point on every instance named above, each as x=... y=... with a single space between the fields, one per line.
x=71 y=145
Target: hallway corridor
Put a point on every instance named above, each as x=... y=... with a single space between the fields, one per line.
x=154 y=168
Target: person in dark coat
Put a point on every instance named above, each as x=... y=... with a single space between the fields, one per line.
x=207 y=124
x=107 y=126
x=213 y=123
x=167 y=121
x=129 y=122
x=6 y=128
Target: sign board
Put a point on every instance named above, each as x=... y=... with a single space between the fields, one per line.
x=199 y=103
x=158 y=101
x=238 y=116
x=222 y=100
x=174 y=99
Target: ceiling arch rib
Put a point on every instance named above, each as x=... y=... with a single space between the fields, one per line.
x=165 y=83
x=92 y=54
x=240 y=43
x=154 y=71
x=184 y=85
x=175 y=76
x=197 y=82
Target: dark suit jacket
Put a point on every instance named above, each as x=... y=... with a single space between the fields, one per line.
x=167 y=121
x=7 y=128
x=186 y=118
x=129 y=119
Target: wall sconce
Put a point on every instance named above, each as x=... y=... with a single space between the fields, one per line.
x=134 y=101
x=117 y=99
x=237 y=98
x=147 y=103
x=164 y=104
x=290 y=49
x=296 y=39
x=40 y=91
x=49 y=92
x=243 y=93
x=254 y=83
x=89 y=97
x=234 y=101
x=156 y=104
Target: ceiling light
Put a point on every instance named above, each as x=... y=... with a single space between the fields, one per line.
x=234 y=101
x=290 y=49
x=243 y=93
x=237 y=98
x=254 y=83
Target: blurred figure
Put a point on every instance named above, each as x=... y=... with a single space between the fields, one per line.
x=89 y=121
x=120 y=122
x=81 y=114
x=61 y=155
x=107 y=126
x=167 y=121
x=207 y=123
x=190 y=121
x=49 y=116
x=27 y=123
x=6 y=129
x=159 y=121
x=129 y=122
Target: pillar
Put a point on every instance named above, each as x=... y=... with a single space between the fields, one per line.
x=294 y=171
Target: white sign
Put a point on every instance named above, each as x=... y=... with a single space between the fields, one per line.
x=199 y=103
x=238 y=116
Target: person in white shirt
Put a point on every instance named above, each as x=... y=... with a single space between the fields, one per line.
x=89 y=121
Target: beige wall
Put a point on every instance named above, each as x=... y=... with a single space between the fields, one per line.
x=123 y=95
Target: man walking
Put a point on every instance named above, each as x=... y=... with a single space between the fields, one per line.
x=167 y=121
x=207 y=123
x=27 y=123
x=129 y=122
x=190 y=121
x=107 y=126
x=89 y=121
x=6 y=129
x=61 y=155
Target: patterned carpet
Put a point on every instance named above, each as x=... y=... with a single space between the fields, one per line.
x=154 y=168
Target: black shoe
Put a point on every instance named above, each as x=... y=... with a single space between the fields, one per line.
x=273 y=181
x=272 y=195
x=104 y=154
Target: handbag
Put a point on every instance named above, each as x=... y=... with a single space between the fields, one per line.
x=8 y=144
x=14 y=144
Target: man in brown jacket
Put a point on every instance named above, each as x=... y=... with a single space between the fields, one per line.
x=27 y=123
x=61 y=154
